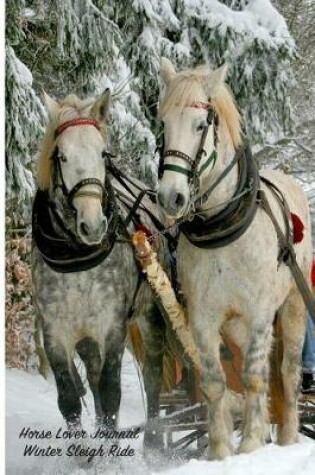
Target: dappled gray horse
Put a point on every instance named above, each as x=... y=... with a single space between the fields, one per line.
x=236 y=227
x=86 y=281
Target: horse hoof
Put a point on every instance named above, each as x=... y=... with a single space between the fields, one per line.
x=107 y=422
x=74 y=424
x=249 y=445
x=287 y=439
x=219 y=451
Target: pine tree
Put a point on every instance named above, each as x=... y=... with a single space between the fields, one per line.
x=24 y=116
x=249 y=34
x=82 y=46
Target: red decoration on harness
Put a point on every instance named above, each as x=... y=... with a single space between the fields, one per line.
x=298 y=228
x=199 y=105
x=313 y=273
x=74 y=122
x=144 y=229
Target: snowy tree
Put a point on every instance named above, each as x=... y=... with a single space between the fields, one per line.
x=250 y=35
x=300 y=16
x=24 y=117
x=82 y=46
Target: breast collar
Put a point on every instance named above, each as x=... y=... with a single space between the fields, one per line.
x=60 y=249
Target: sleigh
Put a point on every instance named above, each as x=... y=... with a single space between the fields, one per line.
x=183 y=411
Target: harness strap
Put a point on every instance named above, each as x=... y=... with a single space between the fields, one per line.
x=200 y=152
x=212 y=158
x=185 y=171
x=193 y=173
x=177 y=168
x=122 y=178
x=204 y=197
x=230 y=223
x=75 y=122
x=288 y=256
x=134 y=208
x=178 y=154
x=86 y=181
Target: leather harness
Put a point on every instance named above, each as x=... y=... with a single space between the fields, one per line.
x=59 y=246
x=233 y=221
x=53 y=238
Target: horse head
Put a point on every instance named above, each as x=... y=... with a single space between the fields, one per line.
x=194 y=104
x=72 y=165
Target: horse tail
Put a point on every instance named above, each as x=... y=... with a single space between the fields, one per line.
x=136 y=346
x=276 y=389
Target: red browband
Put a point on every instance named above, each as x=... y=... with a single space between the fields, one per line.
x=74 y=122
x=200 y=105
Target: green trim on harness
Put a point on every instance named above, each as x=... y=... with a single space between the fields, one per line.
x=186 y=172
x=176 y=168
x=213 y=158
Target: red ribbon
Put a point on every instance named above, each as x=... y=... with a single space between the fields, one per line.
x=298 y=228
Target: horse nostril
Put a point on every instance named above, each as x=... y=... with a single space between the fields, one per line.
x=84 y=229
x=179 y=200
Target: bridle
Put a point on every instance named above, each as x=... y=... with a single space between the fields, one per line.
x=66 y=221
x=194 y=171
x=76 y=190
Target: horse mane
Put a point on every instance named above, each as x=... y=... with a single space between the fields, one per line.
x=188 y=87
x=70 y=108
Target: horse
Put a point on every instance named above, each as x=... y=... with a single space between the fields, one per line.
x=86 y=282
x=230 y=256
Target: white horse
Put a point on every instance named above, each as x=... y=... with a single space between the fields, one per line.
x=86 y=281
x=233 y=290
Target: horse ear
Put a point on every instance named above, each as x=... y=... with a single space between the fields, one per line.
x=167 y=70
x=215 y=79
x=101 y=106
x=52 y=106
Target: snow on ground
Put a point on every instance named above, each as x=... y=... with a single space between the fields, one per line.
x=32 y=402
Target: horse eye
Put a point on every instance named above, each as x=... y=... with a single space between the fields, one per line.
x=62 y=158
x=200 y=127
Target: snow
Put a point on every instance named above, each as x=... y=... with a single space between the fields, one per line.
x=258 y=19
x=22 y=74
x=31 y=402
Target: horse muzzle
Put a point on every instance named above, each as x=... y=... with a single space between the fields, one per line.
x=92 y=232
x=174 y=203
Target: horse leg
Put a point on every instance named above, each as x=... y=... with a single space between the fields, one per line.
x=89 y=353
x=255 y=379
x=68 y=399
x=293 y=322
x=152 y=328
x=109 y=384
x=213 y=386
